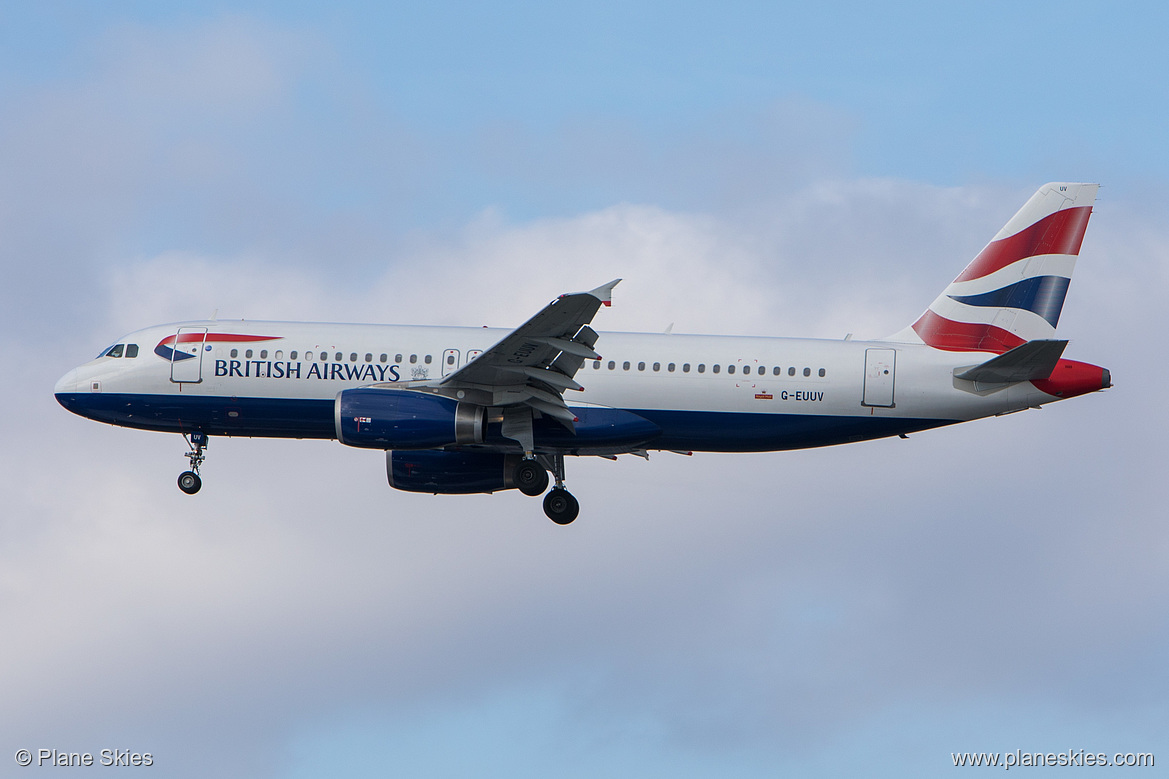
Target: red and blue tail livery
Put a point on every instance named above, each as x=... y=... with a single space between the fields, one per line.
x=458 y=410
x=1014 y=290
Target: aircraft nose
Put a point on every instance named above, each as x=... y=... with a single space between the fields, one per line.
x=67 y=383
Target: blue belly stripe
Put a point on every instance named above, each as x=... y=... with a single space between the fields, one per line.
x=699 y=431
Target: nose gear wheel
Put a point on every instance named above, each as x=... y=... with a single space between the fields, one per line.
x=189 y=481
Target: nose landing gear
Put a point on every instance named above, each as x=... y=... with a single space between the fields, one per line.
x=189 y=481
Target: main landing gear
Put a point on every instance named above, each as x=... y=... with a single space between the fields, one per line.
x=189 y=481
x=560 y=506
x=531 y=477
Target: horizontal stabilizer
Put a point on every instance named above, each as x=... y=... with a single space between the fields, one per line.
x=1033 y=361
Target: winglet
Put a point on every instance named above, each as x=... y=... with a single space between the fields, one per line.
x=604 y=293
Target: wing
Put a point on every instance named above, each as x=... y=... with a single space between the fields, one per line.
x=535 y=363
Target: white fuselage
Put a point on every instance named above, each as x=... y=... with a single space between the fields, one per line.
x=718 y=393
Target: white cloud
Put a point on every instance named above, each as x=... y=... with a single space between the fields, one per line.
x=714 y=605
x=724 y=602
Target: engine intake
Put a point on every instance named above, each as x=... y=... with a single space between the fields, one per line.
x=397 y=419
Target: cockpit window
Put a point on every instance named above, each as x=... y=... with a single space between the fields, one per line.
x=131 y=350
x=114 y=351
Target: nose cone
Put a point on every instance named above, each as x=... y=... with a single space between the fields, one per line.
x=67 y=383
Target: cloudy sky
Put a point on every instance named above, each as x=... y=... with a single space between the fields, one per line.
x=748 y=169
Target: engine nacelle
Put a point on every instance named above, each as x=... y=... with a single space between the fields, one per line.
x=397 y=419
x=450 y=473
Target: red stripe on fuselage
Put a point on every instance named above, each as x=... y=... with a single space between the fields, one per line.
x=951 y=336
x=186 y=338
x=1059 y=233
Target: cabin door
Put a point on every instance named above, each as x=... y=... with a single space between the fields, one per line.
x=879 y=377
x=186 y=357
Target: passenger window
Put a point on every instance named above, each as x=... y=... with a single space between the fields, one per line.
x=596 y=365
x=234 y=353
x=384 y=358
x=353 y=357
x=413 y=359
x=730 y=369
x=657 y=366
x=670 y=367
x=325 y=356
x=279 y=355
x=822 y=373
x=248 y=354
x=612 y=364
x=775 y=371
x=131 y=350
x=714 y=369
x=427 y=359
x=685 y=367
x=807 y=371
x=368 y=357
x=307 y=355
x=702 y=367
x=625 y=365
x=263 y=354
x=338 y=357
x=641 y=366
x=450 y=359
x=292 y=355
x=791 y=371
x=397 y=358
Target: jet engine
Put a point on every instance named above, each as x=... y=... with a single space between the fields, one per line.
x=450 y=473
x=398 y=419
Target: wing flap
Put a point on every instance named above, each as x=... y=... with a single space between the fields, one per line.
x=574 y=348
x=529 y=369
x=535 y=343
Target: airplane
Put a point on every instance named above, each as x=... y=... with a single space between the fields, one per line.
x=479 y=410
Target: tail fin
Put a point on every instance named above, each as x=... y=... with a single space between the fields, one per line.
x=1013 y=291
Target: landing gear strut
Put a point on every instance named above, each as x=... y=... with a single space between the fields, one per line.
x=189 y=481
x=559 y=504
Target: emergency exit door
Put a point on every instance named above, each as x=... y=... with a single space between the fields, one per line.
x=450 y=361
